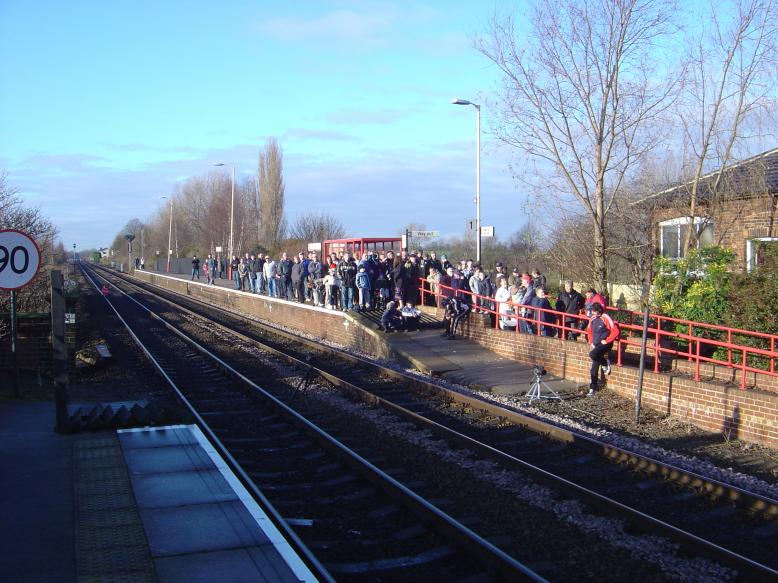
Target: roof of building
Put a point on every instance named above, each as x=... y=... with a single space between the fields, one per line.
x=753 y=176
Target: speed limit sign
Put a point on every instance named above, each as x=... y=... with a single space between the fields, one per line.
x=20 y=259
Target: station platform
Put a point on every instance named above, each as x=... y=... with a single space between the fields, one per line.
x=152 y=504
x=460 y=361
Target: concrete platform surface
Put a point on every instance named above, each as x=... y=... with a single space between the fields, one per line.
x=138 y=505
x=466 y=362
x=199 y=519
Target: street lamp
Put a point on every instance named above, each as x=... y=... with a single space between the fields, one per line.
x=169 y=235
x=232 y=209
x=477 y=174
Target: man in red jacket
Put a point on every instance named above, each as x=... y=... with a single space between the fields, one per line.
x=602 y=332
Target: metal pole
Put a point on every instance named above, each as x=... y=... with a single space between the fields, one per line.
x=232 y=213
x=170 y=237
x=478 y=184
x=259 y=217
x=14 y=361
x=642 y=366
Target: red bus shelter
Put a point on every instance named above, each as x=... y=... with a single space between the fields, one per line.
x=360 y=245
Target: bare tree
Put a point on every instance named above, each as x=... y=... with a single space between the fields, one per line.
x=271 y=194
x=312 y=227
x=525 y=246
x=120 y=244
x=578 y=92
x=730 y=82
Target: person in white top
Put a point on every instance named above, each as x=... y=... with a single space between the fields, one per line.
x=504 y=306
x=270 y=270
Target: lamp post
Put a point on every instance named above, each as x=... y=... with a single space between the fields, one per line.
x=477 y=174
x=232 y=209
x=169 y=235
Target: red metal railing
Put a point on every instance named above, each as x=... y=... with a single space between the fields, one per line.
x=666 y=334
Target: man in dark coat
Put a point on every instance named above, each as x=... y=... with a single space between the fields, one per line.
x=285 y=277
x=195 y=268
x=572 y=302
x=411 y=281
x=347 y=271
x=298 y=280
x=252 y=265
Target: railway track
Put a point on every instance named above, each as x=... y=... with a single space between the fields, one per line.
x=573 y=464
x=348 y=507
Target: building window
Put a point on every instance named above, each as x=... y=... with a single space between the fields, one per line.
x=673 y=232
x=756 y=251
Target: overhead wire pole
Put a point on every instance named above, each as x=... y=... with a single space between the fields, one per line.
x=169 y=236
x=477 y=174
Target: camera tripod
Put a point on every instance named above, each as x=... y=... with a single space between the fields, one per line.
x=535 y=391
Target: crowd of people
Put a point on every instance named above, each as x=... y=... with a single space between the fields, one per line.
x=394 y=284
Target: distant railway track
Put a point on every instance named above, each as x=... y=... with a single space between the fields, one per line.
x=581 y=467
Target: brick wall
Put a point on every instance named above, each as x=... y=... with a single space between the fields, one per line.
x=751 y=415
x=734 y=222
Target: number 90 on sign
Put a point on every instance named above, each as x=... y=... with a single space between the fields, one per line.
x=20 y=259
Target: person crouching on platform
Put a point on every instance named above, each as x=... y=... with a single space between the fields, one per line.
x=411 y=316
x=391 y=320
x=602 y=332
x=456 y=309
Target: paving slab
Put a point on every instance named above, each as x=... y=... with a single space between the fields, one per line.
x=201 y=523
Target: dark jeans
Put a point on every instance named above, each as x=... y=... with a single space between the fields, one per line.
x=299 y=290
x=598 y=354
x=284 y=288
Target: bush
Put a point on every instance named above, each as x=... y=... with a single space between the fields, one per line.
x=696 y=287
x=752 y=304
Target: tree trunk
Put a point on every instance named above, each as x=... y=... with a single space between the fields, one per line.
x=600 y=270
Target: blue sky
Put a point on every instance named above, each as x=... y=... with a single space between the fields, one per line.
x=105 y=106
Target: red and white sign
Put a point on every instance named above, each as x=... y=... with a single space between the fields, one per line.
x=20 y=259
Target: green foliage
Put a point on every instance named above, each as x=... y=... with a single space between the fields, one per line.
x=701 y=289
x=753 y=305
x=695 y=287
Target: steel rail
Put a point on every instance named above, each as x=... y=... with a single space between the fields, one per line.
x=295 y=542
x=751 y=501
x=494 y=559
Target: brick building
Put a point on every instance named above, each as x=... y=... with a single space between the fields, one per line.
x=737 y=209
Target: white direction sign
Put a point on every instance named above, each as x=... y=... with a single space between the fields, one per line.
x=487 y=231
x=425 y=234
x=20 y=259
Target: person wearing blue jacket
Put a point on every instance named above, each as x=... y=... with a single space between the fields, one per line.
x=542 y=317
x=363 y=285
x=529 y=295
